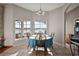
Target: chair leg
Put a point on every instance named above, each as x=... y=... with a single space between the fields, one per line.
x=44 y=51
x=74 y=50
x=52 y=47
x=78 y=50
x=36 y=50
x=71 y=50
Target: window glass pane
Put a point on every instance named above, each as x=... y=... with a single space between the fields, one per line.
x=37 y=22
x=40 y=26
x=17 y=24
x=17 y=31
x=24 y=23
x=24 y=26
x=37 y=26
x=25 y=31
x=27 y=24
x=43 y=26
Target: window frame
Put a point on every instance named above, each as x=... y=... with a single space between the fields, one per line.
x=26 y=26
x=41 y=28
x=19 y=26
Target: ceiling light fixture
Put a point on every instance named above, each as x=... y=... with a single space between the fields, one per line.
x=40 y=11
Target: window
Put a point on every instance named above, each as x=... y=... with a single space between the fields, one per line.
x=18 y=29
x=17 y=26
x=40 y=26
x=27 y=26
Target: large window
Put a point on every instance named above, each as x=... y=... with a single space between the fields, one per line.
x=22 y=28
x=40 y=26
x=27 y=26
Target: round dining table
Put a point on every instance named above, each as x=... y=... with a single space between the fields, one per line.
x=33 y=41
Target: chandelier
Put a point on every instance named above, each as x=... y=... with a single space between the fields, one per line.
x=40 y=11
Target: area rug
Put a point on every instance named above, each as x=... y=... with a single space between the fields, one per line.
x=4 y=48
x=23 y=50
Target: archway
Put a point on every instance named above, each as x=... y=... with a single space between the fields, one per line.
x=67 y=10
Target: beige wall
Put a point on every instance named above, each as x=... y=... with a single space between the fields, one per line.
x=8 y=25
x=56 y=25
x=70 y=20
x=21 y=12
x=54 y=19
x=11 y=14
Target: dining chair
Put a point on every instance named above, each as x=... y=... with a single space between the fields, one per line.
x=68 y=41
x=75 y=44
x=28 y=35
x=53 y=37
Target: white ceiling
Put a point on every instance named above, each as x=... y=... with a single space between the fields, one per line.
x=36 y=6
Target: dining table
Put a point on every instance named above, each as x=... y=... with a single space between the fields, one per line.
x=33 y=41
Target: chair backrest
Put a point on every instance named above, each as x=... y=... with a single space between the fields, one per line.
x=68 y=38
x=52 y=35
x=41 y=42
x=40 y=39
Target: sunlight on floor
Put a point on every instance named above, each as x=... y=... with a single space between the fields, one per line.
x=15 y=54
x=48 y=50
